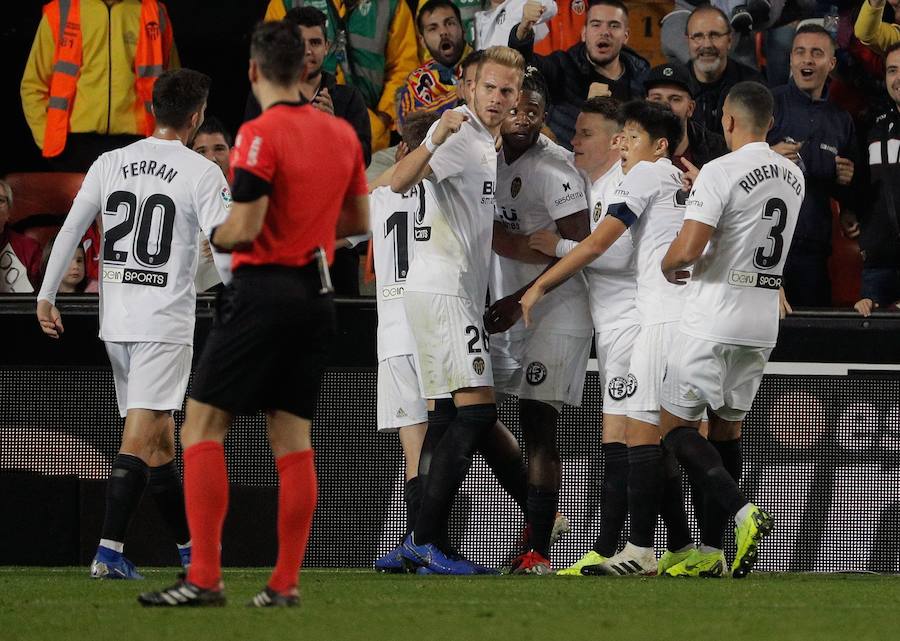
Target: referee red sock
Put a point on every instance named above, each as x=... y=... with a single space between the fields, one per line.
x=206 y=503
x=297 y=495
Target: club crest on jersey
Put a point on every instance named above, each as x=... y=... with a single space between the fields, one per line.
x=226 y=197
x=536 y=373
x=598 y=211
x=578 y=7
x=478 y=365
x=515 y=187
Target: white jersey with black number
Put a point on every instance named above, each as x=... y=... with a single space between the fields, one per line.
x=154 y=197
x=650 y=202
x=752 y=197
x=453 y=250
x=537 y=189
x=394 y=218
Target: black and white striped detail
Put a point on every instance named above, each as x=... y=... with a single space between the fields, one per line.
x=627 y=567
x=184 y=594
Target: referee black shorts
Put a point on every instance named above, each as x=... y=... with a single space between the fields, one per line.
x=270 y=342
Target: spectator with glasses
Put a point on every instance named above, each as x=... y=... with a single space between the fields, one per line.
x=713 y=72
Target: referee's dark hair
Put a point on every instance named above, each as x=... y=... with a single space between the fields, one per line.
x=755 y=101
x=278 y=49
x=657 y=120
x=416 y=127
x=605 y=106
x=177 y=95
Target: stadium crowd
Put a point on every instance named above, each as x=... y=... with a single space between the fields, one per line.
x=510 y=144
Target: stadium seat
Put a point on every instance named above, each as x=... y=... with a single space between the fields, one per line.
x=844 y=265
x=42 y=193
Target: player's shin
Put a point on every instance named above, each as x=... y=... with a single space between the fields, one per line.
x=645 y=487
x=613 y=498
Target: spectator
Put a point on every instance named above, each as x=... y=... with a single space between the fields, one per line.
x=467 y=10
x=821 y=139
x=671 y=85
x=20 y=256
x=320 y=87
x=600 y=57
x=213 y=142
x=75 y=280
x=81 y=94
x=713 y=72
x=879 y=225
x=432 y=87
x=869 y=28
x=373 y=49
x=492 y=25
x=469 y=68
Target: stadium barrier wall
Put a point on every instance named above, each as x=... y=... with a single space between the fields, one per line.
x=821 y=451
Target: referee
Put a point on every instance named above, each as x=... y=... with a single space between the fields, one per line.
x=298 y=182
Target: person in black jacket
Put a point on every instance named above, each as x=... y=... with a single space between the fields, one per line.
x=879 y=222
x=671 y=84
x=320 y=87
x=600 y=57
x=713 y=72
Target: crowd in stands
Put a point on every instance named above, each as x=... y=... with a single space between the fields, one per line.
x=834 y=68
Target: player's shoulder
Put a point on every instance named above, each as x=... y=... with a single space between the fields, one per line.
x=548 y=153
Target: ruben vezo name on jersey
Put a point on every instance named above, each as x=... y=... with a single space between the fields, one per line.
x=767 y=172
x=149 y=168
x=126 y=276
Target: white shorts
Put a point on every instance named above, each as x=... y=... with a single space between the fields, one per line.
x=549 y=367
x=453 y=348
x=400 y=401
x=150 y=376
x=701 y=373
x=645 y=373
x=614 y=348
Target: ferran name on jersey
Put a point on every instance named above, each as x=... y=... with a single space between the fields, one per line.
x=149 y=168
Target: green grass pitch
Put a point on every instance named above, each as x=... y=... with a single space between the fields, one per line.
x=62 y=604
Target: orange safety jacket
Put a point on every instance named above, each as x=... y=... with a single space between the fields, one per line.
x=153 y=44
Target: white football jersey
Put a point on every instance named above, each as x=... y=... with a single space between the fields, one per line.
x=492 y=26
x=650 y=201
x=453 y=249
x=394 y=218
x=155 y=196
x=539 y=188
x=752 y=197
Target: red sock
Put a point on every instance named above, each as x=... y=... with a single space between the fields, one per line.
x=206 y=503
x=297 y=494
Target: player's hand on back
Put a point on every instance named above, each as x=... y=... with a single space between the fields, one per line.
x=503 y=314
x=544 y=241
x=451 y=121
x=49 y=319
x=678 y=277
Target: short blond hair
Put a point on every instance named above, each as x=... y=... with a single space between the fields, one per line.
x=503 y=56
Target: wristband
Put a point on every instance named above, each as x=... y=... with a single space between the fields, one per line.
x=430 y=145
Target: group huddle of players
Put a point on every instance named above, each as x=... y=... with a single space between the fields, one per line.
x=676 y=276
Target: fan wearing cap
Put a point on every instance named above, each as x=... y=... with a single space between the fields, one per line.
x=670 y=84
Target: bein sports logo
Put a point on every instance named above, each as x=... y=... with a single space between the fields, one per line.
x=125 y=276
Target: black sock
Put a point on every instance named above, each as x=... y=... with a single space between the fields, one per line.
x=613 y=498
x=439 y=420
x=671 y=508
x=449 y=465
x=542 y=506
x=715 y=518
x=413 y=499
x=124 y=488
x=702 y=461
x=502 y=454
x=698 y=503
x=165 y=487
x=645 y=487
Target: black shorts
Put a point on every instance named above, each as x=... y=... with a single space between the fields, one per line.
x=270 y=342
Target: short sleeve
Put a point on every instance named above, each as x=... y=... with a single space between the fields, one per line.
x=708 y=198
x=635 y=193
x=563 y=189
x=254 y=152
x=452 y=157
x=213 y=199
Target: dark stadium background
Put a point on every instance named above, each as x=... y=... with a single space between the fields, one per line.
x=212 y=37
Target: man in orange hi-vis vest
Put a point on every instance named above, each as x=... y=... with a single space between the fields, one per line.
x=88 y=83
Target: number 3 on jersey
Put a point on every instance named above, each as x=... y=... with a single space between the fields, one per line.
x=155 y=220
x=769 y=255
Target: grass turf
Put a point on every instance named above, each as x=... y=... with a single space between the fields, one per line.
x=63 y=604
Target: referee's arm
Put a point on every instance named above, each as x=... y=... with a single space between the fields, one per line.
x=248 y=212
x=354 y=217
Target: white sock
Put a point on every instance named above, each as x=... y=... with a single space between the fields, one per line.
x=743 y=513
x=115 y=546
x=708 y=549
